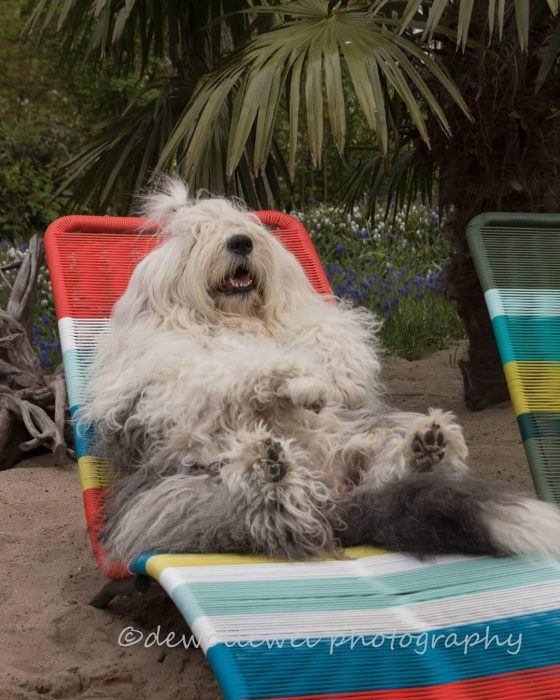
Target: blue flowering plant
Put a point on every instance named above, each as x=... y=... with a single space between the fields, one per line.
x=395 y=267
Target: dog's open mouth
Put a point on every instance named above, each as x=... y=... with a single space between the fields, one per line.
x=239 y=283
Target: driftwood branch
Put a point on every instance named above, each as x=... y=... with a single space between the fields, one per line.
x=58 y=386
x=39 y=395
x=15 y=346
x=38 y=424
x=32 y=409
x=16 y=376
x=11 y=266
x=22 y=298
x=5 y=279
x=12 y=433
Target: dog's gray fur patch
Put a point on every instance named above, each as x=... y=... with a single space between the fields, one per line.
x=426 y=513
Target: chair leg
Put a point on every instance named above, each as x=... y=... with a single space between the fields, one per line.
x=139 y=584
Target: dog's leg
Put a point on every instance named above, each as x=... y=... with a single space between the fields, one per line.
x=344 y=339
x=262 y=498
x=435 y=438
x=434 y=513
x=179 y=513
x=306 y=391
x=286 y=505
x=401 y=443
x=291 y=381
x=257 y=455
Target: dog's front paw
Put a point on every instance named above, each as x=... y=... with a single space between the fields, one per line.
x=306 y=392
x=349 y=394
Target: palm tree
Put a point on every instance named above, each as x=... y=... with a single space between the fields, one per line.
x=457 y=95
x=505 y=159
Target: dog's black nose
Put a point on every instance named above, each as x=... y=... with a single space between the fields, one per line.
x=240 y=244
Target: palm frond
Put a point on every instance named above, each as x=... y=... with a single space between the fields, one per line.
x=248 y=62
x=549 y=58
x=137 y=32
x=436 y=14
x=311 y=49
x=397 y=181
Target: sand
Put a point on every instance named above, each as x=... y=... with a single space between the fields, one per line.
x=54 y=645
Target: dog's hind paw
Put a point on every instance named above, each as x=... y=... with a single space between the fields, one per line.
x=258 y=461
x=274 y=463
x=433 y=439
x=428 y=448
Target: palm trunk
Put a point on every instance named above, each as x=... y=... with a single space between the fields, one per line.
x=483 y=378
x=505 y=160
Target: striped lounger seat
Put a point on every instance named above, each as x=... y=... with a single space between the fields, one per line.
x=375 y=625
x=517 y=257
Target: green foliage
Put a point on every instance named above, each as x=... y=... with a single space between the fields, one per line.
x=31 y=134
x=305 y=57
x=169 y=47
x=422 y=326
x=46 y=114
x=26 y=184
x=395 y=269
x=226 y=77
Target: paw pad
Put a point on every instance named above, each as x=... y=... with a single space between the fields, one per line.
x=428 y=448
x=277 y=471
x=273 y=462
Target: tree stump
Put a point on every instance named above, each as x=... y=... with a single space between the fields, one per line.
x=32 y=407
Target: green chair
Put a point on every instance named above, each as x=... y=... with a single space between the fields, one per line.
x=517 y=257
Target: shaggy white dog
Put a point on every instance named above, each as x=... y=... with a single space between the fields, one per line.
x=243 y=412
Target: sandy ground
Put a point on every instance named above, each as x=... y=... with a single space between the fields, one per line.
x=54 y=645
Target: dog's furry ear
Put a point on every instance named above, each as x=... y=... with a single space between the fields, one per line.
x=163 y=203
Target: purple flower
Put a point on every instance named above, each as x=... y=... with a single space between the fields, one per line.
x=363 y=233
x=333 y=270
